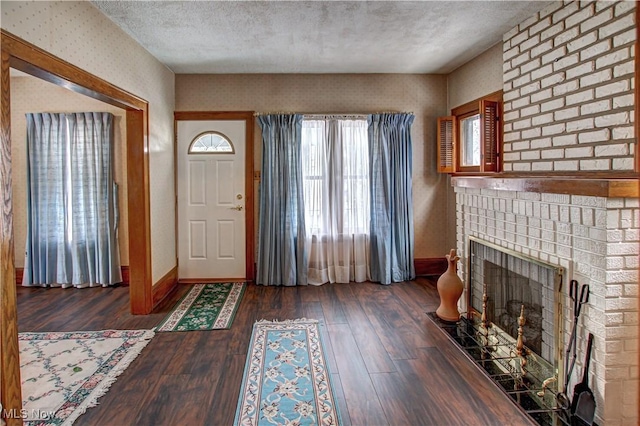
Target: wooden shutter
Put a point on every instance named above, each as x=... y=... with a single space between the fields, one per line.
x=490 y=136
x=446 y=145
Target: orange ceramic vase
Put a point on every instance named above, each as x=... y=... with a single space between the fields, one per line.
x=450 y=289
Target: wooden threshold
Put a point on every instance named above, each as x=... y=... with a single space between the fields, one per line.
x=596 y=187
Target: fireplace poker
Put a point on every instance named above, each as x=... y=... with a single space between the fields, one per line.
x=577 y=308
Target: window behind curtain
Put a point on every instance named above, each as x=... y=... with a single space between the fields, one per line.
x=335 y=169
x=71 y=201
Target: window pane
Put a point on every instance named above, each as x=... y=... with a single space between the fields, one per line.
x=313 y=157
x=335 y=169
x=355 y=177
x=470 y=140
x=211 y=142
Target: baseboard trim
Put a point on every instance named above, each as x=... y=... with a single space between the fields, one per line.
x=125 y=275
x=124 y=269
x=164 y=286
x=430 y=266
x=19 y=274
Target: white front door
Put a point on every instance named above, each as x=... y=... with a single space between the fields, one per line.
x=211 y=199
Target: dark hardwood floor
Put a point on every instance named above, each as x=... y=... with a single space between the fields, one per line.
x=390 y=364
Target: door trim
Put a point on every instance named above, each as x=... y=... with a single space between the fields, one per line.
x=249 y=120
x=26 y=57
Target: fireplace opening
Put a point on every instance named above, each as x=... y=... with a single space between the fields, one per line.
x=512 y=282
x=506 y=295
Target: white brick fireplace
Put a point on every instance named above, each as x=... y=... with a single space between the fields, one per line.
x=568 y=111
x=596 y=240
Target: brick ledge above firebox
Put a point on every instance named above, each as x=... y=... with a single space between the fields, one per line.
x=611 y=188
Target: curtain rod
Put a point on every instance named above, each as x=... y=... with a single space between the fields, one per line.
x=342 y=116
x=332 y=114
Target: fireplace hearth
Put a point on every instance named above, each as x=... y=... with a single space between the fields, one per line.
x=521 y=377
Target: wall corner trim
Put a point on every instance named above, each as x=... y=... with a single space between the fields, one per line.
x=165 y=286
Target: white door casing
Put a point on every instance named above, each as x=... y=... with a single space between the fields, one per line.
x=211 y=200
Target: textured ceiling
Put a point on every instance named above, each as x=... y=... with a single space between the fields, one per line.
x=203 y=37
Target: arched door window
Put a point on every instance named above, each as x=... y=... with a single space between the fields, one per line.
x=211 y=143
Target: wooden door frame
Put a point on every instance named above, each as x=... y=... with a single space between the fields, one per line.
x=28 y=58
x=248 y=118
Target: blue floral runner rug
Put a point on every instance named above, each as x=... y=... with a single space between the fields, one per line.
x=286 y=379
x=205 y=307
x=64 y=373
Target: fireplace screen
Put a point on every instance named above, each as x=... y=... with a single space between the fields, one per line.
x=513 y=329
x=512 y=282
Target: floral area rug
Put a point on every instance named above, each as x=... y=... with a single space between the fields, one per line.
x=63 y=374
x=286 y=380
x=205 y=307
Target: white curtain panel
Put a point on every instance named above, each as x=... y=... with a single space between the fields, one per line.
x=335 y=169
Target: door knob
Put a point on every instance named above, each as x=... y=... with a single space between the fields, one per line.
x=238 y=207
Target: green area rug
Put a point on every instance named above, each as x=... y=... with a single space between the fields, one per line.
x=286 y=380
x=205 y=307
x=63 y=374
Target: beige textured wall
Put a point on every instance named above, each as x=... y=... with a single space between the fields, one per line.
x=424 y=95
x=78 y=33
x=478 y=77
x=29 y=94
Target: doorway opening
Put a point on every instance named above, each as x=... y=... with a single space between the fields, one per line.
x=215 y=214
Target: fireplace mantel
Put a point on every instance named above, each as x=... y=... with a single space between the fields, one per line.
x=610 y=188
